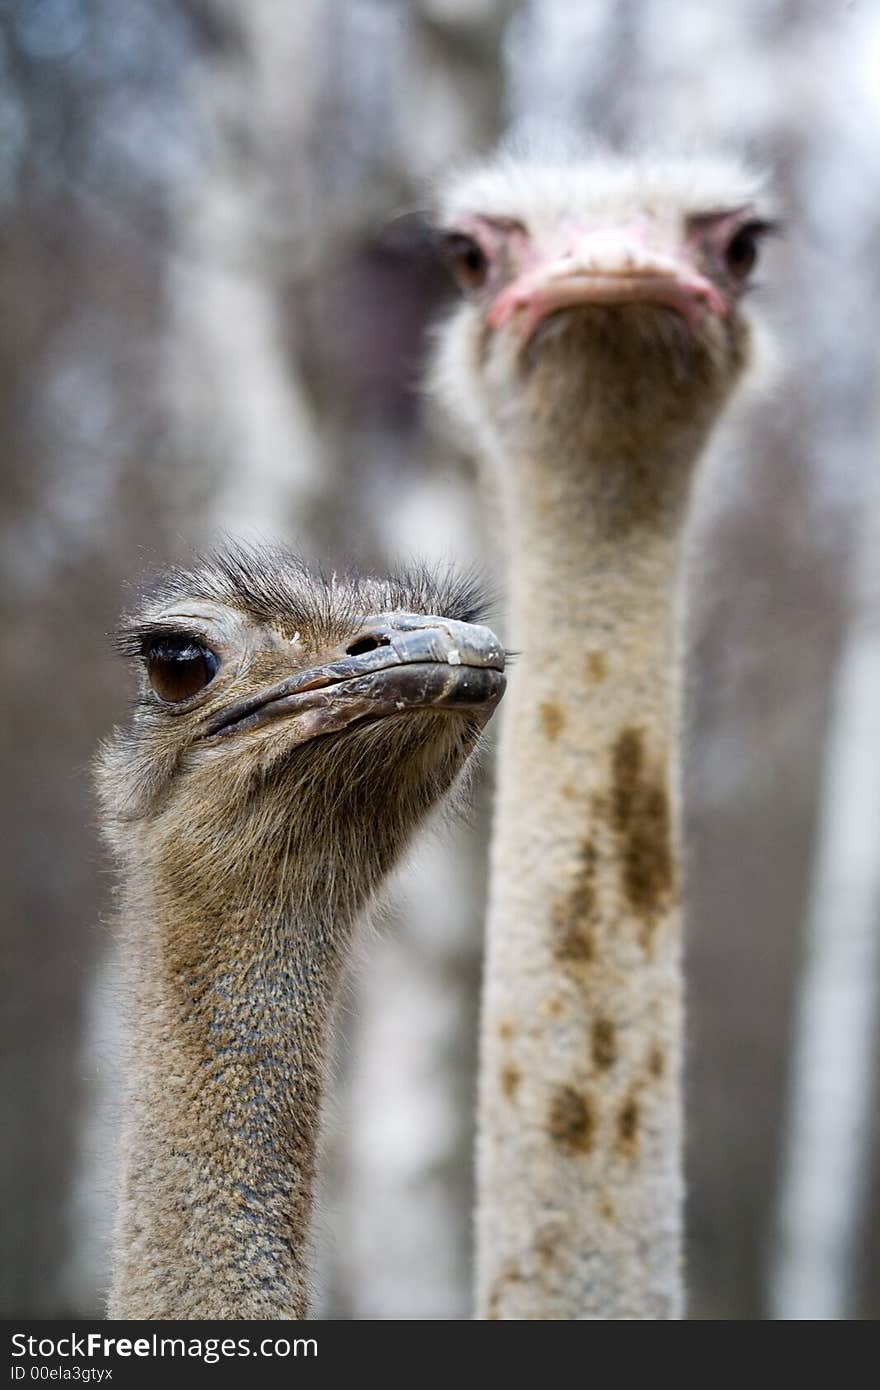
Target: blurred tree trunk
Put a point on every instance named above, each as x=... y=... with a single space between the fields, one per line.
x=245 y=446
x=825 y=1182
x=820 y=1235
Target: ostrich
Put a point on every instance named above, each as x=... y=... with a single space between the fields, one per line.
x=600 y=334
x=290 y=734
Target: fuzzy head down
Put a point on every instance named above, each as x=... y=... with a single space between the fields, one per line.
x=291 y=728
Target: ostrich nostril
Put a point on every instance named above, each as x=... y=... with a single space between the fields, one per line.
x=366 y=644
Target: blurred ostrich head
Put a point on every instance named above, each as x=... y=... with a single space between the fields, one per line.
x=603 y=300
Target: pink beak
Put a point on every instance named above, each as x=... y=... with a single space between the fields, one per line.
x=608 y=266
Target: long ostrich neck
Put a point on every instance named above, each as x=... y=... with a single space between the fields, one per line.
x=229 y=1009
x=579 y=1167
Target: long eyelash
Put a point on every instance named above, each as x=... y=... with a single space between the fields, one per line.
x=133 y=639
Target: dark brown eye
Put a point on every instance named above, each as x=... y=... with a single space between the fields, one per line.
x=179 y=667
x=466 y=259
x=741 y=253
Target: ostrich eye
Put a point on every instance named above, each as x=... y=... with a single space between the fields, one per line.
x=466 y=259
x=741 y=252
x=179 y=667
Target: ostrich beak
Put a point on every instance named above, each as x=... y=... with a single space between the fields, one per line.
x=396 y=662
x=606 y=266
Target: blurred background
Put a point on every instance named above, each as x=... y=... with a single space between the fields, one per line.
x=213 y=314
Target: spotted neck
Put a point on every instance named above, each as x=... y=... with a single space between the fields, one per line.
x=579 y=1159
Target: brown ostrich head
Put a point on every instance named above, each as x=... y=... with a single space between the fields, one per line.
x=603 y=301
x=291 y=728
